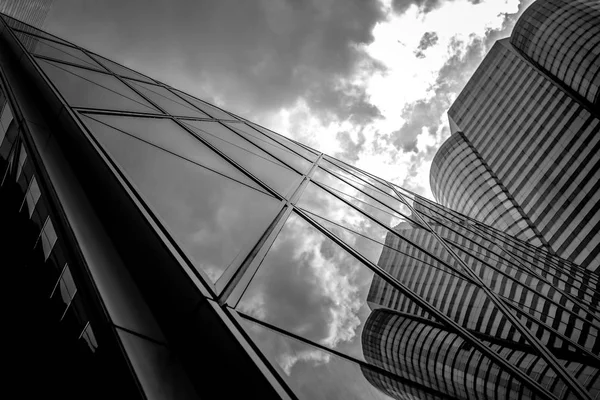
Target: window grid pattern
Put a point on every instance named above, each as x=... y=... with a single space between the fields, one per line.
x=563 y=38
x=541 y=144
x=455 y=301
x=461 y=180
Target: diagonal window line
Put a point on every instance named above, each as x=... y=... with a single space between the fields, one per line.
x=161 y=95
x=239 y=147
x=397 y=215
x=425 y=263
x=97 y=84
x=88 y=63
x=271 y=142
x=184 y=158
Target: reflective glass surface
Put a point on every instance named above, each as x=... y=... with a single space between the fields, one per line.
x=209 y=109
x=167 y=100
x=346 y=285
x=57 y=51
x=120 y=70
x=85 y=88
x=253 y=158
x=214 y=211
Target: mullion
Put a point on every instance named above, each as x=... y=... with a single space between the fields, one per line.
x=420 y=302
x=410 y=242
x=384 y=245
x=501 y=305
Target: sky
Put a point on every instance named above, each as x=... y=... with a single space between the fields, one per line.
x=368 y=82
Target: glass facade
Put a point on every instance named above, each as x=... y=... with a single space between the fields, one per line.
x=562 y=37
x=230 y=261
x=542 y=145
x=461 y=180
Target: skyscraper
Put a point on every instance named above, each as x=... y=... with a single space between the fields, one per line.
x=404 y=340
x=32 y=12
x=160 y=247
x=526 y=128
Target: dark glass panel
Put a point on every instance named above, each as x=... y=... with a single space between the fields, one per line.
x=209 y=109
x=167 y=100
x=57 y=51
x=215 y=219
x=84 y=88
x=253 y=158
x=312 y=373
x=389 y=216
x=167 y=135
x=5 y=119
x=303 y=151
x=32 y=196
x=89 y=337
x=48 y=237
x=120 y=70
x=271 y=146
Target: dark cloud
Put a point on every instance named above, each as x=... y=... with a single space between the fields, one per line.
x=429 y=39
x=350 y=148
x=255 y=56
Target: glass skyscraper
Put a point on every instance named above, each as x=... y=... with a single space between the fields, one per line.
x=160 y=247
x=524 y=152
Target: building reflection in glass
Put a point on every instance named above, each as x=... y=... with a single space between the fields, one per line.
x=435 y=361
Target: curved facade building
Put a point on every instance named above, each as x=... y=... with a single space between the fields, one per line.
x=562 y=37
x=460 y=179
x=527 y=113
x=430 y=356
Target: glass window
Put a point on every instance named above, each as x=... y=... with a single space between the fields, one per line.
x=209 y=109
x=249 y=156
x=216 y=218
x=313 y=373
x=167 y=100
x=32 y=196
x=57 y=51
x=271 y=146
x=120 y=70
x=21 y=161
x=89 y=337
x=65 y=287
x=5 y=119
x=166 y=135
x=48 y=237
x=85 y=88
x=303 y=151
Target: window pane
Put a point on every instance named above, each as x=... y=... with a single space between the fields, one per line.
x=313 y=373
x=120 y=70
x=303 y=151
x=32 y=196
x=254 y=159
x=5 y=120
x=209 y=109
x=89 y=337
x=48 y=237
x=84 y=88
x=21 y=161
x=271 y=146
x=166 y=135
x=167 y=100
x=215 y=219
x=58 y=51
x=67 y=286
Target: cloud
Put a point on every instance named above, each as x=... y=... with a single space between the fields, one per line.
x=427 y=40
x=253 y=56
x=307 y=285
x=400 y=6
